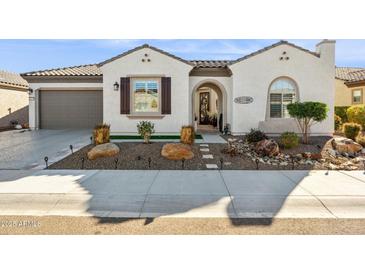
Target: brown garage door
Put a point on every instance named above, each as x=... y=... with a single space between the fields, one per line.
x=70 y=108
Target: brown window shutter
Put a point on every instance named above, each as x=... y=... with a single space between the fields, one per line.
x=166 y=95
x=125 y=95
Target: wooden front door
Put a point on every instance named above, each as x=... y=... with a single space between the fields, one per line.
x=203 y=108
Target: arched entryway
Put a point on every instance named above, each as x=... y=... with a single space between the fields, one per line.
x=209 y=107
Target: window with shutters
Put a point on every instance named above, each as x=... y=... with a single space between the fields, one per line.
x=145 y=96
x=282 y=92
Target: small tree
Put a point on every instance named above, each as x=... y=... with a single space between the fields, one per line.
x=146 y=129
x=307 y=114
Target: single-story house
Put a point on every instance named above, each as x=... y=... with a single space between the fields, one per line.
x=14 y=100
x=146 y=83
x=350 y=86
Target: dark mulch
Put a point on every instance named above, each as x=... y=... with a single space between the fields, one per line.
x=130 y=152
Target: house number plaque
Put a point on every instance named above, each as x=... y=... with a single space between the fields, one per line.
x=243 y=100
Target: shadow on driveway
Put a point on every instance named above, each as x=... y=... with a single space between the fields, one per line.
x=245 y=197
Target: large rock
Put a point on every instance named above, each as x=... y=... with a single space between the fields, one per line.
x=104 y=150
x=345 y=145
x=268 y=148
x=177 y=151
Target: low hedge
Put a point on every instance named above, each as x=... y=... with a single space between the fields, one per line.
x=351 y=130
x=342 y=113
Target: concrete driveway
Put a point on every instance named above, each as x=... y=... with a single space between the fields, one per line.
x=27 y=149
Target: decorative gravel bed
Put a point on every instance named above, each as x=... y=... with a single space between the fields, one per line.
x=136 y=155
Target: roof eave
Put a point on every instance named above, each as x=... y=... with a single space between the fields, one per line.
x=355 y=83
x=13 y=86
x=143 y=47
x=63 y=78
x=282 y=42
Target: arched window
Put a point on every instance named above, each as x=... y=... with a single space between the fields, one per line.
x=282 y=92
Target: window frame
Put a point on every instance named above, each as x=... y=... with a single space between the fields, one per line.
x=352 y=96
x=132 y=106
x=282 y=104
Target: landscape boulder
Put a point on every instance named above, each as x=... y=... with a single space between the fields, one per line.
x=177 y=151
x=345 y=145
x=103 y=150
x=268 y=148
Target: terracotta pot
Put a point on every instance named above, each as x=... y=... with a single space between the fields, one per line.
x=101 y=136
x=187 y=135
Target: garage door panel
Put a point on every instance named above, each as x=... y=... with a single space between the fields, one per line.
x=71 y=109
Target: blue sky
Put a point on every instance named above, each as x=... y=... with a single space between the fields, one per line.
x=28 y=55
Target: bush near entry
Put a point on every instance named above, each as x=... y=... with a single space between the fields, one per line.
x=255 y=136
x=351 y=130
x=356 y=114
x=289 y=140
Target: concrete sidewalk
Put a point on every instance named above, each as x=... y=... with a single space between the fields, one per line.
x=152 y=193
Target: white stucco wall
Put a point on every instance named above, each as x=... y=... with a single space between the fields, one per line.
x=33 y=98
x=313 y=75
x=131 y=65
x=252 y=77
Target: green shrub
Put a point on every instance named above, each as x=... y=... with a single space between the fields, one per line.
x=351 y=130
x=342 y=112
x=255 y=135
x=338 y=122
x=356 y=114
x=289 y=139
x=361 y=139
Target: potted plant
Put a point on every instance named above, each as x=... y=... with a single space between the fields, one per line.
x=101 y=134
x=146 y=129
x=187 y=135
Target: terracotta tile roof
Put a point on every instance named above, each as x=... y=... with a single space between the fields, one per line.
x=344 y=73
x=12 y=79
x=210 y=63
x=84 y=70
x=356 y=76
x=350 y=75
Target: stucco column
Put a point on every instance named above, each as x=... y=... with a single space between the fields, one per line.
x=33 y=110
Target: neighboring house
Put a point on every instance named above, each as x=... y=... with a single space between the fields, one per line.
x=147 y=83
x=350 y=86
x=13 y=99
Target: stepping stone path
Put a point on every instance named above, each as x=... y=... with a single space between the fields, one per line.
x=205 y=148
